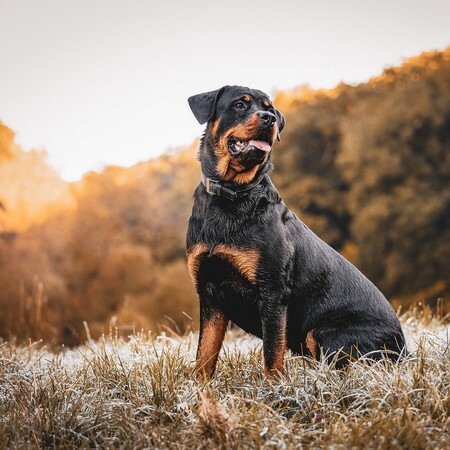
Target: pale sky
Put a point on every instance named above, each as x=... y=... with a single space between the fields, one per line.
x=101 y=82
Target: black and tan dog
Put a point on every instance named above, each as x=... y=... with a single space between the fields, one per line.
x=255 y=263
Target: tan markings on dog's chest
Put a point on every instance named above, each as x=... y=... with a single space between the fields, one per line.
x=244 y=260
x=195 y=255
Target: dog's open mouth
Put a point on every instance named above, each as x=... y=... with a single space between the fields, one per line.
x=237 y=146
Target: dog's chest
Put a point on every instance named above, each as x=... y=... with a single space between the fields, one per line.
x=228 y=277
x=243 y=260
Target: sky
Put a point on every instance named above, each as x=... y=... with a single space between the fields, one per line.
x=106 y=82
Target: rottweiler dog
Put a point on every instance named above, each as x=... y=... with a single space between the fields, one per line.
x=253 y=262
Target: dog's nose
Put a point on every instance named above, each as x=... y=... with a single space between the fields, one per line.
x=267 y=117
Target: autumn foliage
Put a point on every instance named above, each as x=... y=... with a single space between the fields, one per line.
x=367 y=167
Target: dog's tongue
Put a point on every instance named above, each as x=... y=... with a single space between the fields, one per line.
x=264 y=146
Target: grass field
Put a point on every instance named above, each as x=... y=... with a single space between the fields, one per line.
x=141 y=392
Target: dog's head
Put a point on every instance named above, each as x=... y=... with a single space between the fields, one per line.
x=242 y=126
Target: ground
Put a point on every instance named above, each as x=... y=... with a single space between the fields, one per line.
x=141 y=392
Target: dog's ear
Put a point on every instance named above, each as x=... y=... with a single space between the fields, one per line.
x=204 y=105
x=280 y=123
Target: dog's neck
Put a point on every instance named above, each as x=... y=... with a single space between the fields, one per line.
x=230 y=191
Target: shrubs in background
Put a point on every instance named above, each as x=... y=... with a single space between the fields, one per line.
x=366 y=167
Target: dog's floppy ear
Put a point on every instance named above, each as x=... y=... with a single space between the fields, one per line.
x=204 y=105
x=280 y=123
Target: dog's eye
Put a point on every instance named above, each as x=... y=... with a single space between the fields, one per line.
x=239 y=105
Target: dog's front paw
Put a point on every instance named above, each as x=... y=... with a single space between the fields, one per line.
x=274 y=372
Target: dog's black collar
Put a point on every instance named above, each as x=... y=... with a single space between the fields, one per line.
x=218 y=188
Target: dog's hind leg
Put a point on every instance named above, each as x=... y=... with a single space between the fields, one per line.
x=343 y=344
x=312 y=345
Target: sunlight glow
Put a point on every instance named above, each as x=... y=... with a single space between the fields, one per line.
x=105 y=82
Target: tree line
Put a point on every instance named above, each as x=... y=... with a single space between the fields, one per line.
x=366 y=167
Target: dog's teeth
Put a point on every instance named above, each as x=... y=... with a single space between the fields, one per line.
x=239 y=145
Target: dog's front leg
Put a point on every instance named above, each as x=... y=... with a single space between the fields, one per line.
x=213 y=325
x=274 y=318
